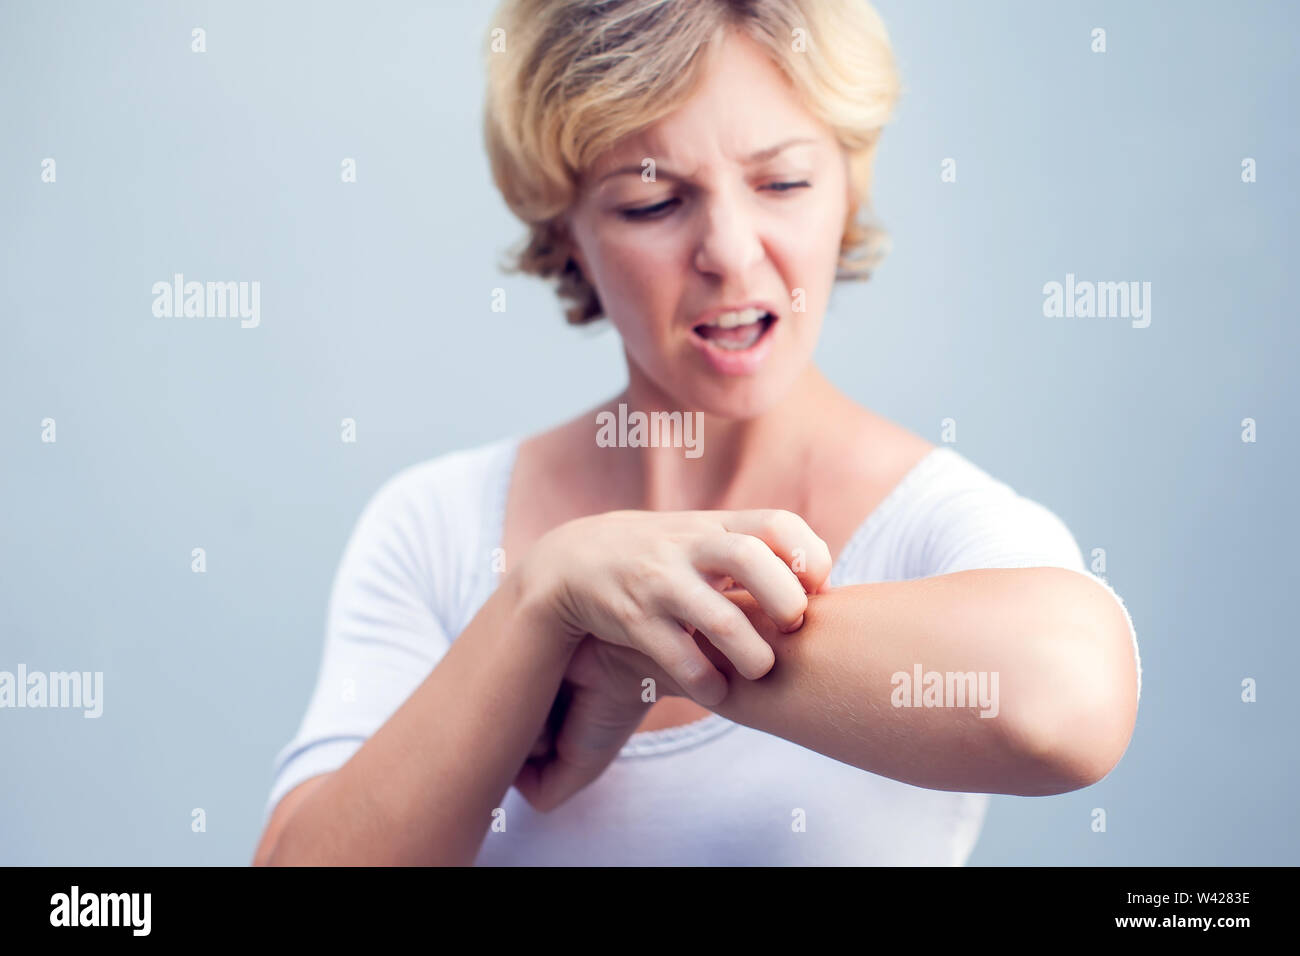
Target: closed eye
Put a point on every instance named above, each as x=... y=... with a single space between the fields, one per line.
x=649 y=212
x=660 y=209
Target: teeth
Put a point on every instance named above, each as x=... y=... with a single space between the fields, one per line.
x=729 y=320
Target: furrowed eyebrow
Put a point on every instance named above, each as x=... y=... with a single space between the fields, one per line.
x=771 y=151
x=756 y=157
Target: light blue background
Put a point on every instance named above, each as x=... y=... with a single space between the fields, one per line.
x=176 y=434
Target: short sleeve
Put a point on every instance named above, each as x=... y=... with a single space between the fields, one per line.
x=383 y=633
x=990 y=526
x=980 y=522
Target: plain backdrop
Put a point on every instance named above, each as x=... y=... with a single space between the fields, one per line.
x=174 y=434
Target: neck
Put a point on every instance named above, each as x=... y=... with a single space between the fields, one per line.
x=737 y=454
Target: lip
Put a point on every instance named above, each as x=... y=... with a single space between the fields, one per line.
x=726 y=362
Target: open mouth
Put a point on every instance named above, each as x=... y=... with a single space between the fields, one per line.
x=736 y=331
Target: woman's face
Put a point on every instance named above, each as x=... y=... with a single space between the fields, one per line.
x=743 y=209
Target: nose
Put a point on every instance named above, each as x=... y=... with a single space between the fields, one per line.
x=728 y=243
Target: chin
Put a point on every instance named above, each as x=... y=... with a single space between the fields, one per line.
x=737 y=398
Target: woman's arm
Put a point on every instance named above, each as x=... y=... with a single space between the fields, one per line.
x=422 y=789
x=1061 y=712
x=1058 y=643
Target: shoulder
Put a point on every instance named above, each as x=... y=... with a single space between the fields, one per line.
x=431 y=522
x=868 y=456
x=865 y=450
x=451 y=477
x=962 y=517
x=452 y=492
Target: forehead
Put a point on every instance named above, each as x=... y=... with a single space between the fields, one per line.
x=743 y=104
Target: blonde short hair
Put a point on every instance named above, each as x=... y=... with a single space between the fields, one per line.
x=569 y=78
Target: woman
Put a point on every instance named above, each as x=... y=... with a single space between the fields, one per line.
x=816 y=637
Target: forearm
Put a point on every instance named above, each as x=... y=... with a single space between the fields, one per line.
x=422 y=789
x=1065 y=698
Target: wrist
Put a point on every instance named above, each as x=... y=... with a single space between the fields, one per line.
x=534 y=588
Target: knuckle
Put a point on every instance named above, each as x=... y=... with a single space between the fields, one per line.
x=646 y=573
x=633 y=615
x=769 y=521
x=744 y=549
x=715 y=621
x=787 y=523
x=694 y=676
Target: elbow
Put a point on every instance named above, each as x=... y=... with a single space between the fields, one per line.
x=1062 y=753
x=1077 y=717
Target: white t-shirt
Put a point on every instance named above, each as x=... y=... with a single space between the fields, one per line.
x=421 y=562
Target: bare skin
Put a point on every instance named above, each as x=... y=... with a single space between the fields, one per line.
x=627 y=563
x=850 y=468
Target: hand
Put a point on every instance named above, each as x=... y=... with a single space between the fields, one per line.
x=648 y=580
x=599 y=707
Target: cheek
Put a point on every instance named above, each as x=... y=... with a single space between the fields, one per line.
x=638 y=280
x=810 y=265
x=827 y=232
x=804 y=239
